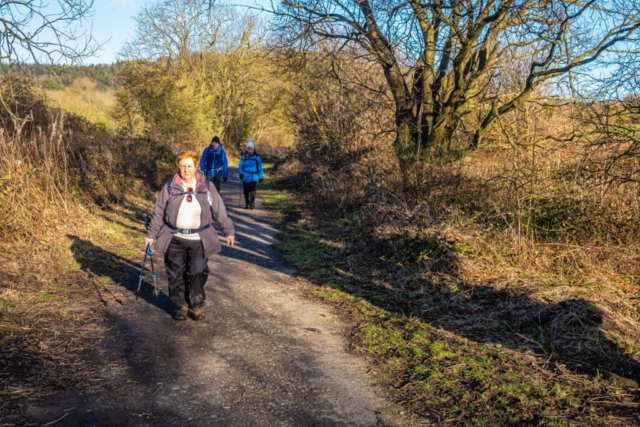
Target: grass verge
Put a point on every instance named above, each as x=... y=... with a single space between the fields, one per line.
x=53 y=306
x=439 y=374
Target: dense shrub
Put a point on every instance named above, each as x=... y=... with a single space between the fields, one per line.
x=52 y=162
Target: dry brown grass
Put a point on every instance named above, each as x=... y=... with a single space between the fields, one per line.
x=496 y=236
x=64 y=182
x=464 y=352
x=533 y=245
x=61 y=305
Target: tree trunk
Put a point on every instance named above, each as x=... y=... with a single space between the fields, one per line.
x=406 y=137
x=432 y=143
x=439 y=140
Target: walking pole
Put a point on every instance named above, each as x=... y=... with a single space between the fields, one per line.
x=153 y=273
x=240 y=196
x=147 y=222
x=147 y=253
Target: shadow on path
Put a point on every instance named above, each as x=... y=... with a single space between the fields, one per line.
x=122 y=271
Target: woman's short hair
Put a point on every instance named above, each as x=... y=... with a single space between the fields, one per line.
x=188 y=155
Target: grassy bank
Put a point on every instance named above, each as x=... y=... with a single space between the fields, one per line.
x=53 y=303
x=445 y=363
x=71 y=190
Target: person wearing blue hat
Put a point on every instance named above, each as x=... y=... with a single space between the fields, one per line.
x=250 y=170
x=213 y=163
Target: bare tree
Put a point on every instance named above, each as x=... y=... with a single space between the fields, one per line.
x=194 y=69
x=177 y=29
x=39 y=31
x=442 y=58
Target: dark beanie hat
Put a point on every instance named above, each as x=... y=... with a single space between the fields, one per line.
x=215 y=139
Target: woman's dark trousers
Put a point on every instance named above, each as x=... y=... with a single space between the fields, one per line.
x=249 y=192
x=186 y=268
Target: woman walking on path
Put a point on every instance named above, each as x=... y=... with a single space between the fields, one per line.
x=213 y=163
x=251 y=173
x=181 y=225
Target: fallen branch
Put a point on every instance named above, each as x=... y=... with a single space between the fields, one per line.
x=55 y=421
x=624 y=404
x=157 y=390
x=15 y=328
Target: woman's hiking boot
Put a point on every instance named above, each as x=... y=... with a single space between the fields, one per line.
x=198 y=313
x=252 y=206
x=181 y=314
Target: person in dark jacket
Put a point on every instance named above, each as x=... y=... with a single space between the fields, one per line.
x=181 y=225
x=213 y=163
x=251 y=173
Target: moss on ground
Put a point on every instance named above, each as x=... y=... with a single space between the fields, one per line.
x=440 y=375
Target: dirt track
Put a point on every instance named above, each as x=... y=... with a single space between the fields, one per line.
x=254 y=362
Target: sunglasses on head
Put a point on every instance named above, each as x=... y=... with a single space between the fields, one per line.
x=189 y=196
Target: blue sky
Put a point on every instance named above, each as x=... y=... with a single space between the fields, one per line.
x=113 y=24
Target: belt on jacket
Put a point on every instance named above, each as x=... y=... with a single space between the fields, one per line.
x=187 y=230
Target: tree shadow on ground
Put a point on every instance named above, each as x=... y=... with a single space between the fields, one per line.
x=155 y=359
x=251 y=247
x=571 y=332
x=151 y=388
x=124 y=272
x=266 y=376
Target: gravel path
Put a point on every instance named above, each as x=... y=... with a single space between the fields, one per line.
x=253 y=362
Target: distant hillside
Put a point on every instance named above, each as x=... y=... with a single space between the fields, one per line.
x=57 y=78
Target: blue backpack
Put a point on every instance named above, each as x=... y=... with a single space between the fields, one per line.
x=246 y=159
x=214 y=162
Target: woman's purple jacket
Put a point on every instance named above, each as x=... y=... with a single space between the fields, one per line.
x=166 y=212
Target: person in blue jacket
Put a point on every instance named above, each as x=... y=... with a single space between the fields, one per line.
x=213 y=163
x=251 y=173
